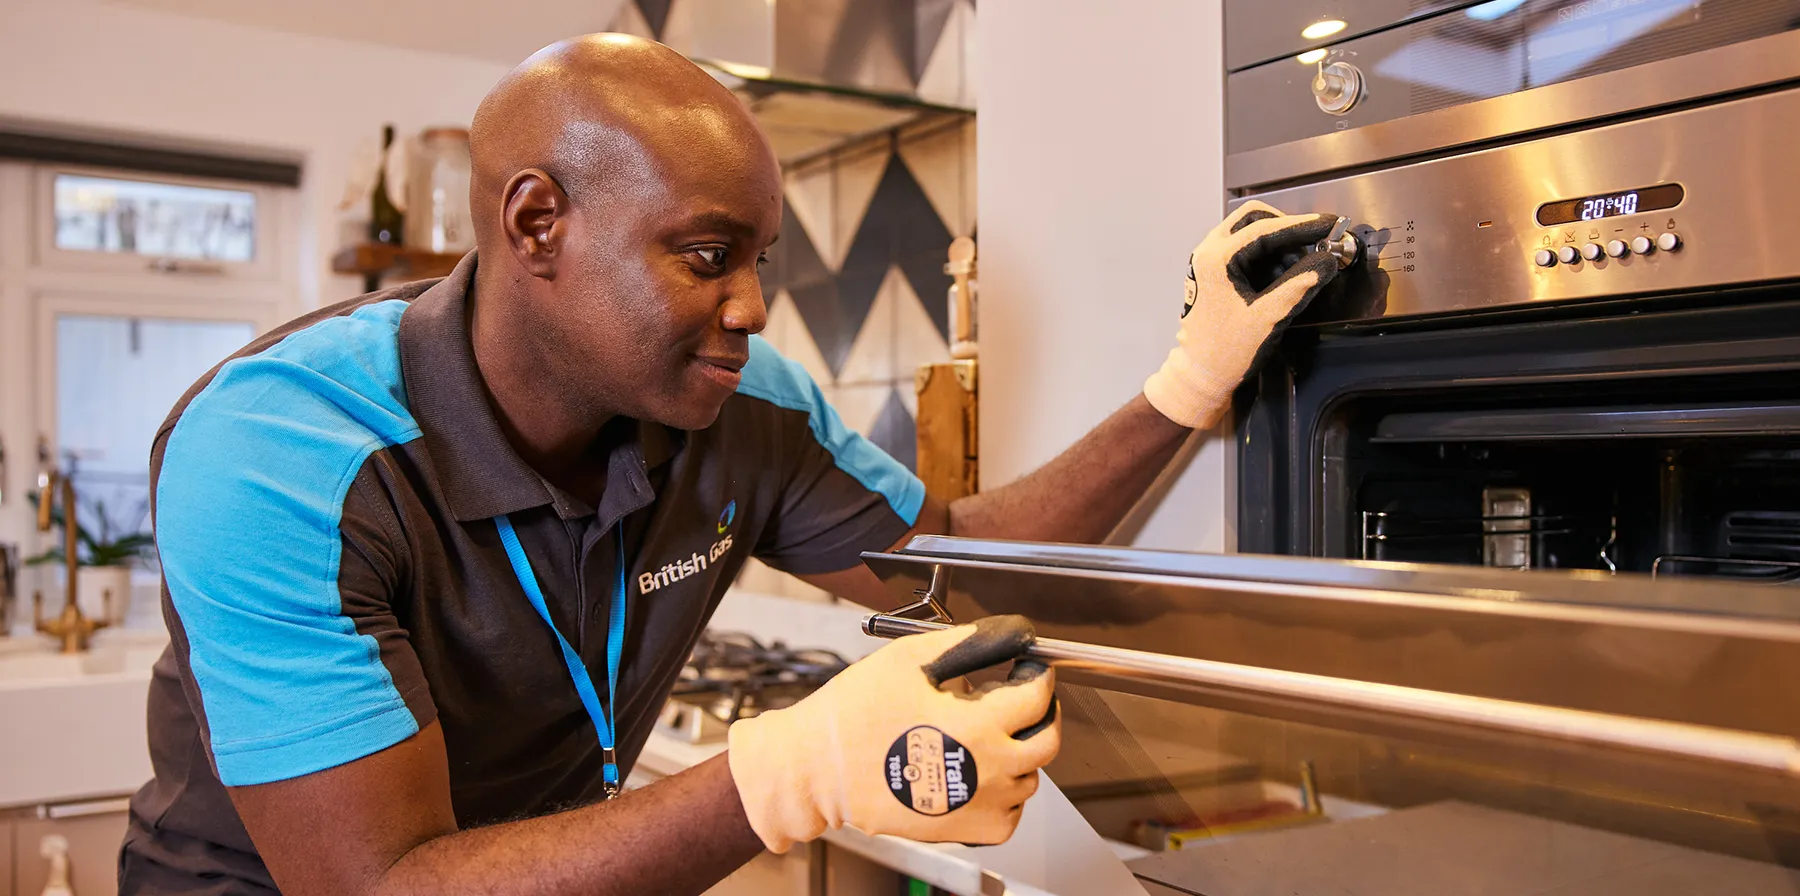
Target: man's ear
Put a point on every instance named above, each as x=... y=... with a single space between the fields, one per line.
x=534 y=204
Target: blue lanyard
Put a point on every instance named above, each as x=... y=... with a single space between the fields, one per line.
x=605 y=721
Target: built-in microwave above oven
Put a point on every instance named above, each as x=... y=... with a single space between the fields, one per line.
x=1333 y=85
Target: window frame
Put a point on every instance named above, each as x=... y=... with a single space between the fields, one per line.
x=270 y=237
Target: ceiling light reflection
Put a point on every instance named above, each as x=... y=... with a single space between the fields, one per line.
x=1326 y=28
x=1310 y=56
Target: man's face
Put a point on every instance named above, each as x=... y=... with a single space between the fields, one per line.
x=659 y=293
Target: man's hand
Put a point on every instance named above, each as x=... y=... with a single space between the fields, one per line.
x=885 y=748
x=1227 y=322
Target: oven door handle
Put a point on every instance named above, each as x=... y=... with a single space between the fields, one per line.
x=1742 y=750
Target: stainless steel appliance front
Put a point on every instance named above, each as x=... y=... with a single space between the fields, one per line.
x=1463 y=233
x=1321 y=86
x=1276 y=725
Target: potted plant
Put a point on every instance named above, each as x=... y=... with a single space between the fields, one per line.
x=104 y=562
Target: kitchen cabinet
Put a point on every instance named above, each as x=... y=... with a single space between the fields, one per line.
x=815 y=869
x=93 y=853
x=772 y=875
x=848 y=874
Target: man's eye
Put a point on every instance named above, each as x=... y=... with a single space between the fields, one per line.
x=762 y=259
x=712 y=255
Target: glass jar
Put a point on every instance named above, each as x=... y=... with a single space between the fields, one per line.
x=437 y=193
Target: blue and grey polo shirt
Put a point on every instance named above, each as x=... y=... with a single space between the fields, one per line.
x=325 y=505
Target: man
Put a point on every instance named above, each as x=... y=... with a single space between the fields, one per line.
x=432 y=558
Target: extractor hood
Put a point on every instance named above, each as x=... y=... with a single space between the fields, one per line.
x=823 y=73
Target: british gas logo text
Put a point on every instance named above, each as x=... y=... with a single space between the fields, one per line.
x=674 y=572
x=670 y=573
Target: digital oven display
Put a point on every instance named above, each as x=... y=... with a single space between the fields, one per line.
x=1609 y=205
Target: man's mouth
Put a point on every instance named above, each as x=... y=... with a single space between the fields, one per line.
x=725 y=370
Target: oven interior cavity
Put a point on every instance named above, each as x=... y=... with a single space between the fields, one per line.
x=1670 y=488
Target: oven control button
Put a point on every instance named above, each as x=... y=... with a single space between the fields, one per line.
x=1545 y=258
x=1642 y=245
x=1568 y=255
x=1617 y=248
x=1668 y=242
x=1592 y=251
x=1338 y=87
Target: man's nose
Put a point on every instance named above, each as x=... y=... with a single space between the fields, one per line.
x=745 y=309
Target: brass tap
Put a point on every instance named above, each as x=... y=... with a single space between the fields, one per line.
x=74 y=629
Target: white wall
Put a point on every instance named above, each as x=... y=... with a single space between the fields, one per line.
x=1099 y=169
x=110 y=66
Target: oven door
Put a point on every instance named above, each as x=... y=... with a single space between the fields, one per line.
x=1285 y=725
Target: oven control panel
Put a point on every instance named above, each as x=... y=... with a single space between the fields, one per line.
x=1695 y=199
x=1620 y=247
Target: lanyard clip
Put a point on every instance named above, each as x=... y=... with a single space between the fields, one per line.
x=609 y=772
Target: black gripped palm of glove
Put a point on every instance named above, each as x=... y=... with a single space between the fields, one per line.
x=1252 y=274
x=892 y=745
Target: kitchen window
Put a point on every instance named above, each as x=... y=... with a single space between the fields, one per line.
x=118 y=289
x=94 y=220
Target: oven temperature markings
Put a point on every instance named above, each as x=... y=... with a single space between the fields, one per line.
x=1403 y=261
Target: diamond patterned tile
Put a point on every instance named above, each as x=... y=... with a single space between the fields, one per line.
x=949 y=74
x=931 y=17
x=818 y=306
x=832 y=197
x=860 y=406
x=942 y=160
x=787 y=332
x=872 y=358
x=918 y=336
x=925 y=273
x=792 y=261
x=630 y=20
x=897 y=336
x=896 y=433
x=901 y=228
x=858 y=288
x=656 y=14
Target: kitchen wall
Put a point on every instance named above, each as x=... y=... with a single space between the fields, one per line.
x=856 y=284
x=1100 y=169
x=126 y=69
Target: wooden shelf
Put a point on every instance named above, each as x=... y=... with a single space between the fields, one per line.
x=375 y=261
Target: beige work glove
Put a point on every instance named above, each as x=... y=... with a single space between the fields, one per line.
x=886 y=748
x=1227 y=324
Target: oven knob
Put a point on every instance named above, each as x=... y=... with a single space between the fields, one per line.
x=1668 y=242
x=1617 y=248
x=1568 y=255
x=1545 y=258
x=1592 y=251
x=1642 y=245
x=1338 y=87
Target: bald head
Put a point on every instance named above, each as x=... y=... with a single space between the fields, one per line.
x=600 y=114
x=622 y=199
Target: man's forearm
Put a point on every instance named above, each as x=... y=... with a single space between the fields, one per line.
x=680 y=835
x=1083 y=493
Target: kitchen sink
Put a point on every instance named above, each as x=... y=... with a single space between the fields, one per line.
x=36 y=658
x=72 y=725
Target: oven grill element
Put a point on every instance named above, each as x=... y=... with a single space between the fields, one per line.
x=1502 y=536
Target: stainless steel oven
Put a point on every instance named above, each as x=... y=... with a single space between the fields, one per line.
x=1573 y=338
x=1519 y=496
